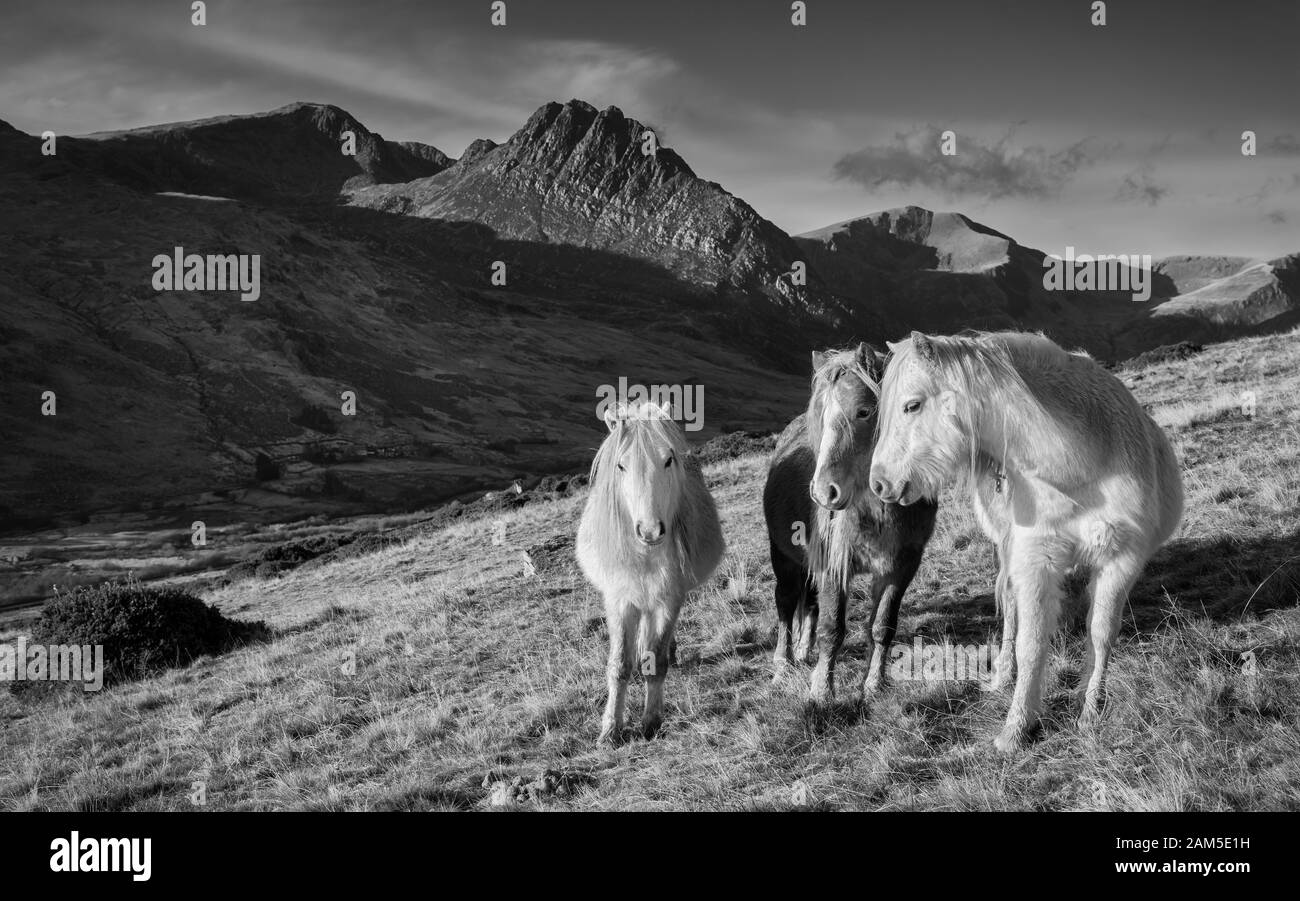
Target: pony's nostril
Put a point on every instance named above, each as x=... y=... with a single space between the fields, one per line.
x=648 y=533
x=832 y=492
x=878 y=487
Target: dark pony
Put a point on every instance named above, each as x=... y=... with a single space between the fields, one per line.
x=824 y=455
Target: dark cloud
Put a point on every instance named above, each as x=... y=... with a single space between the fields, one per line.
x=913 y=159
x=1140 y=186
x=1283 y=145
x=1277 y=217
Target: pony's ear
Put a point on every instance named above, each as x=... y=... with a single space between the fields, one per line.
x=871 y=360
x=819 y=360
x=923 y=346
x=893 y=346
x=611 y=418
x=666 y=409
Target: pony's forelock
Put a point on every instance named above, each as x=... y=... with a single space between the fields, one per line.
x=836 y=365
x=635 y=427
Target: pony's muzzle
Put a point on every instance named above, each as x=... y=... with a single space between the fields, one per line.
x=652 y=534
x=828 y=494
x=888 y=491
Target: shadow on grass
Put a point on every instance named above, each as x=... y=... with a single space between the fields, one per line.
x=842 y=713
x=1223 y=579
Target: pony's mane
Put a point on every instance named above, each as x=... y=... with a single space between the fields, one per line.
x=641 y=429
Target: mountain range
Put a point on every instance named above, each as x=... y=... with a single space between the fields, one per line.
x=378 y=279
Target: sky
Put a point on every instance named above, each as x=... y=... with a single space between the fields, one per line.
x=1117 y=138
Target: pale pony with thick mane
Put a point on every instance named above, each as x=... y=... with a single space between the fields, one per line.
x=1090 y=481
x=649 y=535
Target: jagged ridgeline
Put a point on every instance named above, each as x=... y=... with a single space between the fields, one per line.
x=376 y=279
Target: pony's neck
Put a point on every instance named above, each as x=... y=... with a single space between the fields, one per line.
x=1015 y=434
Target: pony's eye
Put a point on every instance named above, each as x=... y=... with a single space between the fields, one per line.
x=620 y=468
x=864 y=413
x=669 y=463
x=911 y=406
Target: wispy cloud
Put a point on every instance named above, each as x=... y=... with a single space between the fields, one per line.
x=990 y=171
x=1140 y=186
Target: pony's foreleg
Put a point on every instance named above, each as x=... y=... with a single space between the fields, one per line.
x=657 y=629
x=621 y=622
x=830 y=637
x=1036 y=584
x=808 y=615
x=1005 y=601
x=887 y=589
x=1107 y=592
x=790 y=580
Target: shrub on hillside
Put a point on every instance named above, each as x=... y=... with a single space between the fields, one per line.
x=731 y=445
x=1164 y=354
x=142 y=629
x=284 y=557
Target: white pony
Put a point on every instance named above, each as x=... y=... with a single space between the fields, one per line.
x=649 y=534
x=1088 y=480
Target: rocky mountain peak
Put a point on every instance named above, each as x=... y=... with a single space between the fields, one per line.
x=575 y=140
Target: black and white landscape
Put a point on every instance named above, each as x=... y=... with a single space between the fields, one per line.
x=441 y=236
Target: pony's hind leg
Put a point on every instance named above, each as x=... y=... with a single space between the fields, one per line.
x=1107 y=593
x=657 y=628
x=621 y=622
x=790 y=579
x=887 y=589
x=1037 y=587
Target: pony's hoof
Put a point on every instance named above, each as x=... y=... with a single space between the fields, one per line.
x=873 y=685
x=650 y=728
x=821 y=695
x=1090 y=718
x=608 y=738
x=1010 y=741
x=781 y=670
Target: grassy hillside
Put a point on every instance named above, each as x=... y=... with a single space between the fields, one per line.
x=479 y=656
